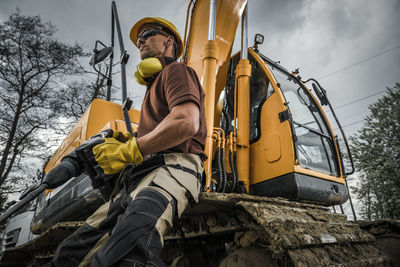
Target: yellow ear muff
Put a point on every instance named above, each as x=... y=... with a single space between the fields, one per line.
x=139 y=78
x=147 y=68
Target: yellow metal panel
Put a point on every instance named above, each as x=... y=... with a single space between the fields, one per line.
x=74 y=137
x=118 y=125
x=324 y=176
x=103 y=111
x=265 y=165
x=272 y=147
x=98 y=115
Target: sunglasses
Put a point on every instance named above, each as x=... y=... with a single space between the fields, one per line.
x=147 y=34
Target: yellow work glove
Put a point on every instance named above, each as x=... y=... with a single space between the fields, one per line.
x=121 y=136
x=112 y=155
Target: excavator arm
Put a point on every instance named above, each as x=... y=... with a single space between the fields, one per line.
x=228 y=14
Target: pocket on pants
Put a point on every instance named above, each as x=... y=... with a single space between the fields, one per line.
x=186 y=179
x=166 y=181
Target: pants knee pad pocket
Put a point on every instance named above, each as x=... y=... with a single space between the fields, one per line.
x=149 y=201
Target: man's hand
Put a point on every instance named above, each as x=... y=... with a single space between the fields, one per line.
x=121 y=136
x=112 y=155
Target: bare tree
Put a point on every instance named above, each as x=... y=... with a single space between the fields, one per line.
x=78 y=95
x=32 y=62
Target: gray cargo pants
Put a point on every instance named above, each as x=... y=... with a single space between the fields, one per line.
x=129 y=230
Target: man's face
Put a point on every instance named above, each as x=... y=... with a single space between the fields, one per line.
x=151 y=43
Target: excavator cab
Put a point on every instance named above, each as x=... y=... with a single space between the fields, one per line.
x=293 y=152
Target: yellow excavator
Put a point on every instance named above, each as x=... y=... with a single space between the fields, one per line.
x=274 y=165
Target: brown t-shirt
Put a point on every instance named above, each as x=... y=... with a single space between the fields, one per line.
x=174 y=85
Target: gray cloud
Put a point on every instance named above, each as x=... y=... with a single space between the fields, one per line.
x=318 y=36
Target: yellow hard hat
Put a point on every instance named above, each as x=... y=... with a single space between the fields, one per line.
x=166 y=25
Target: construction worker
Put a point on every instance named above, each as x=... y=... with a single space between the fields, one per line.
x=161 y=168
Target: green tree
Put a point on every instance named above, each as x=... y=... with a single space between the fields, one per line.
x=376 y=151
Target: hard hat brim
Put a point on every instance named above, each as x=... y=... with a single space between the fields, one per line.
x=138 y=25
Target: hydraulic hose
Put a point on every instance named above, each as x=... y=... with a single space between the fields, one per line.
x=219 y=137
x=220 y=175
x=234 y=173
x=224 y=175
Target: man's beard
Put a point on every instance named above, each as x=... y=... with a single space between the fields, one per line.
x=146 y=54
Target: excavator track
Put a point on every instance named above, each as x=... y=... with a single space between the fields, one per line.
x=244 y=230
x=276 y=231
x=387 y=234
x=39 y=251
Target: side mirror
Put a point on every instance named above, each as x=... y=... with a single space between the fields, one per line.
x=320 y=92
x=100 y=55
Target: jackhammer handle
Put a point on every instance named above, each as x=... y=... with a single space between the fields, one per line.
x=25 y=200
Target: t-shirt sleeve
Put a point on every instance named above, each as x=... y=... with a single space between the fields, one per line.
x=181 y=85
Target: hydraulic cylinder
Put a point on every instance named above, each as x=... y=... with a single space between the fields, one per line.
x=210 y=61
x=243 y=74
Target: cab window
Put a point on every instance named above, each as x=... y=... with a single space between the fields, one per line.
x=313 y=141
x=260 y=90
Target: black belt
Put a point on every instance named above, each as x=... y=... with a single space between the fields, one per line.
x=132 y=175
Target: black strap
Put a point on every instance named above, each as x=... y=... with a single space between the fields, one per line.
x=169 y=60
x=132 y=175
x=182 y=168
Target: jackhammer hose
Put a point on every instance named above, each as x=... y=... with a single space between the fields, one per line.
x=24 y=201
x=56 y=177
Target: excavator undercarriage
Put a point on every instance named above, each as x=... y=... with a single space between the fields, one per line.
x=245 y=230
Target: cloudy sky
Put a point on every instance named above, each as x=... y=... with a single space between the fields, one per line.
x=353 y=46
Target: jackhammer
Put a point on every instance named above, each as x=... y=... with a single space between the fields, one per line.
x=72 y=165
